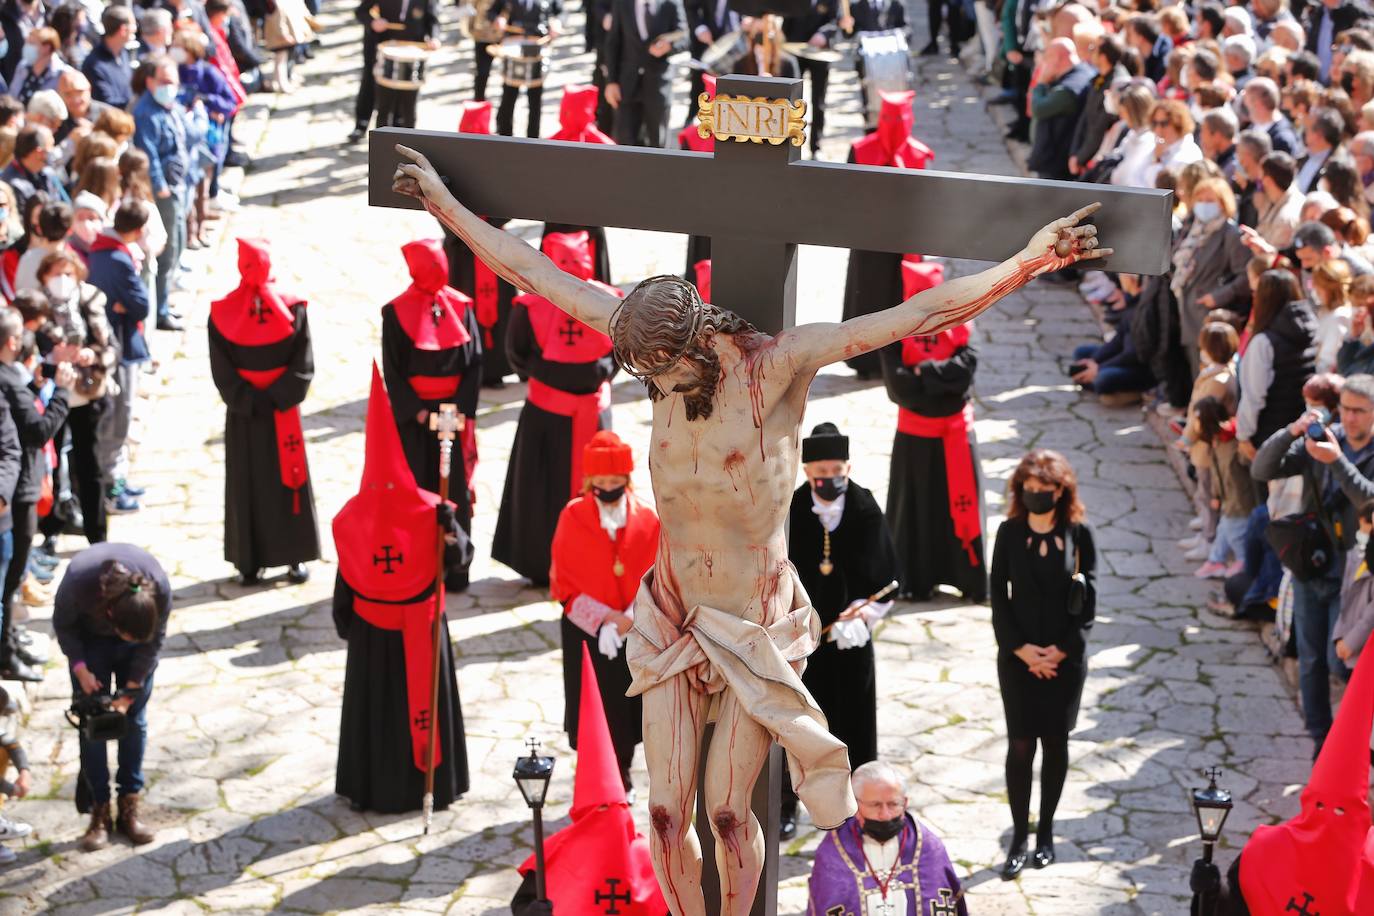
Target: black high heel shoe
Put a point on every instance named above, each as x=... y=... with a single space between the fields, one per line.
x=1044 y=854
x=1015 y=864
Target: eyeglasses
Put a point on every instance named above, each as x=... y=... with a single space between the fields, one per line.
x=1163 y=123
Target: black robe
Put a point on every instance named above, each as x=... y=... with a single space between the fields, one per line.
x=376 y=769
x=540 y=467
x=842 y=681
x=400 y=360
x=601 y=255
x=462 y=276
x=265 y=523
x=624 y=715
x=1030 y=605
x=918 y=488
x=872 y=282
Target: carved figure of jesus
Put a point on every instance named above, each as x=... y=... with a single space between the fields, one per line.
x=722 y=620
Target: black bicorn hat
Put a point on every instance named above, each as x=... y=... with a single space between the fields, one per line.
x=825 y=444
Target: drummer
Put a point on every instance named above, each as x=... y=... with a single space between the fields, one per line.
x=524 y=20
x=766 y=56
x=388 y=20
x=710 y=20
x=818 y=28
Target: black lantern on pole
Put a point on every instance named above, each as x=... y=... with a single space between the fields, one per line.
x=532 y=775
x=1211 y=805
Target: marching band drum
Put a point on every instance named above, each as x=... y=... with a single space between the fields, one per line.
x=399 y=72
x=522 y=61
x=884 y=66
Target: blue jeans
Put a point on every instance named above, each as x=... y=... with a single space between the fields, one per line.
x=1114 y=379
x=1316 y=605
x=110 y=659
x=1229 y=540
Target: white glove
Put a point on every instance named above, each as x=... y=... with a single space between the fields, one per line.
x=849 y=634
x=610 y=640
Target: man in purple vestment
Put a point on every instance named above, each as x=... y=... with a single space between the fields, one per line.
x=882 y=861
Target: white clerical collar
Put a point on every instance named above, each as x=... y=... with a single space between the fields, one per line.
x=882 y=856
x=829 y=513
x=612 y=515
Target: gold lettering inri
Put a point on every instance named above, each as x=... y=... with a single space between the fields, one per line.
x=752 y=120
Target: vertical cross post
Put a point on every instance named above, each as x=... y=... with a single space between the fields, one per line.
x=749 y=275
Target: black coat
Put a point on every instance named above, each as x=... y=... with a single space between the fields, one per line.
x=1093 y=123
x=842 y=681
x=11 y=459
x=877 y=15
x=628 y=60
x=1346 y=16
x=35 y=429
x=1030 y=605
x=421 y=20
x=820 y=19
x=1052 y=136
x=532 y=17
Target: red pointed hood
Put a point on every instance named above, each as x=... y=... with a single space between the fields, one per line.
x=430 y=311
x=703 y=269
x=577 y=116
x=892 y=143
x=254 y=314
x=1325 y=851
x=598 y=775
x=390 y=519
x=572 y=252
x=476 y=118
x=689 y=137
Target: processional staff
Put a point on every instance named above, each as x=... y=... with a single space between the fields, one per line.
x=447 y=423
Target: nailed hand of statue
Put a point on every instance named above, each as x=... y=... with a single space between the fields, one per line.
x=1064 y=242
x=416 y=178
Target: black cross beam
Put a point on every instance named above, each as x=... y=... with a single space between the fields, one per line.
x=757 y=202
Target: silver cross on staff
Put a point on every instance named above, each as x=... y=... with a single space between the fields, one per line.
x=447 y=422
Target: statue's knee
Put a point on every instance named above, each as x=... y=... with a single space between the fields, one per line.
x=727 y=823
x=667 y=827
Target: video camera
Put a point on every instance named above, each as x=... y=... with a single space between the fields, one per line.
x=93 y=716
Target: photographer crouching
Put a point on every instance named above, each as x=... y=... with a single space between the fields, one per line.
x=110 y=616
x=1335 y=457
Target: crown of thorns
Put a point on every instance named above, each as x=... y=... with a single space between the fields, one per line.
x=696 y=315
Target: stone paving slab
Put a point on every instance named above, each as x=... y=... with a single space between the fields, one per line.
x=244 y=719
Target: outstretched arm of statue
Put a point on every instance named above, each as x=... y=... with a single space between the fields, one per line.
x=507 y=255
x=1056 y=246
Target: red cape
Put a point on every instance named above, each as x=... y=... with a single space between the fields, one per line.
x=892 y=144
x=583 y=556
x=254 y=314
x=562 y=338
x=431 y=311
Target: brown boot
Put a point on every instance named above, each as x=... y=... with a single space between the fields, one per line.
x=97 y=835
x=129 y=824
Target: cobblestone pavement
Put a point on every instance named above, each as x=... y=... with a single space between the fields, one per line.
x=243 y=722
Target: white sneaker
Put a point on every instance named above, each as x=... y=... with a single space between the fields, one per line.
x=1200 y=552
x=1195 y=523
x=7 y=855
x=1190 y=543
x=13 y=830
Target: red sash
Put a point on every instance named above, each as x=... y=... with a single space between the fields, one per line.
x=960 y=482
x=435 y=387
x=416 y=623
x=486 y=292
x=290 y=436
x=584 y=409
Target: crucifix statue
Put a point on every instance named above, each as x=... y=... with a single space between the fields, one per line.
x=730 y=647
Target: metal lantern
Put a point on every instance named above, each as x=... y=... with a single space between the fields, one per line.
x=1211 y=806
x=532 y=775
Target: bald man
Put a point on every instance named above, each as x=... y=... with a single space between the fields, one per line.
x=82 y=109
x=1056 y=103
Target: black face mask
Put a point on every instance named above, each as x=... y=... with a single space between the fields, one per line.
x=609 y=496
x=1038 y=503
x=831 y=488
x=882 y=831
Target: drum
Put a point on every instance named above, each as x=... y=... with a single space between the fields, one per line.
x=808 y=51
x=522 y=61
x=724 y=53
x=886 y=66
x=401 y=64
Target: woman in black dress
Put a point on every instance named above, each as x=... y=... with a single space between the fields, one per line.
x=1041 y=548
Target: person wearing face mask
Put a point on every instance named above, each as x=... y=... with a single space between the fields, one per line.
x=1209 y=264
x=569 y=367
x=160 y=131
x=882 y=860
x=839 y=543
x=40 y=66
x=606 y=540
x=1044 y=568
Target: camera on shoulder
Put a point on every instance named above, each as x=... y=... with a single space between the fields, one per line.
x=95 y=718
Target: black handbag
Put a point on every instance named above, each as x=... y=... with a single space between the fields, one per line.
x=1078 y=583
x=1305 y=542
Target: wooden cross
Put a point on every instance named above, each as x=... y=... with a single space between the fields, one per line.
x=447 y=422
x=758 y=201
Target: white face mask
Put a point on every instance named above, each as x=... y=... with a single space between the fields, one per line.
x=1110 y=105
x=61 y=287
x=1362 y=540
x=1207 y=210
x=178 y=55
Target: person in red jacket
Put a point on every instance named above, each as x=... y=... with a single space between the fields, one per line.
x=605 y=541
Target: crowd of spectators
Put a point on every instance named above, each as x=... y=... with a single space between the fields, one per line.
x=1256 y=346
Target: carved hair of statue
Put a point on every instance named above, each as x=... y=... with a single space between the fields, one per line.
x=662 y=321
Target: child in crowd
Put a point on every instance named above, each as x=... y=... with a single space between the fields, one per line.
x=1331 y=295
x=1357 y=595
x=1233 y=493
x=1217 y=344
x=11 y=755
